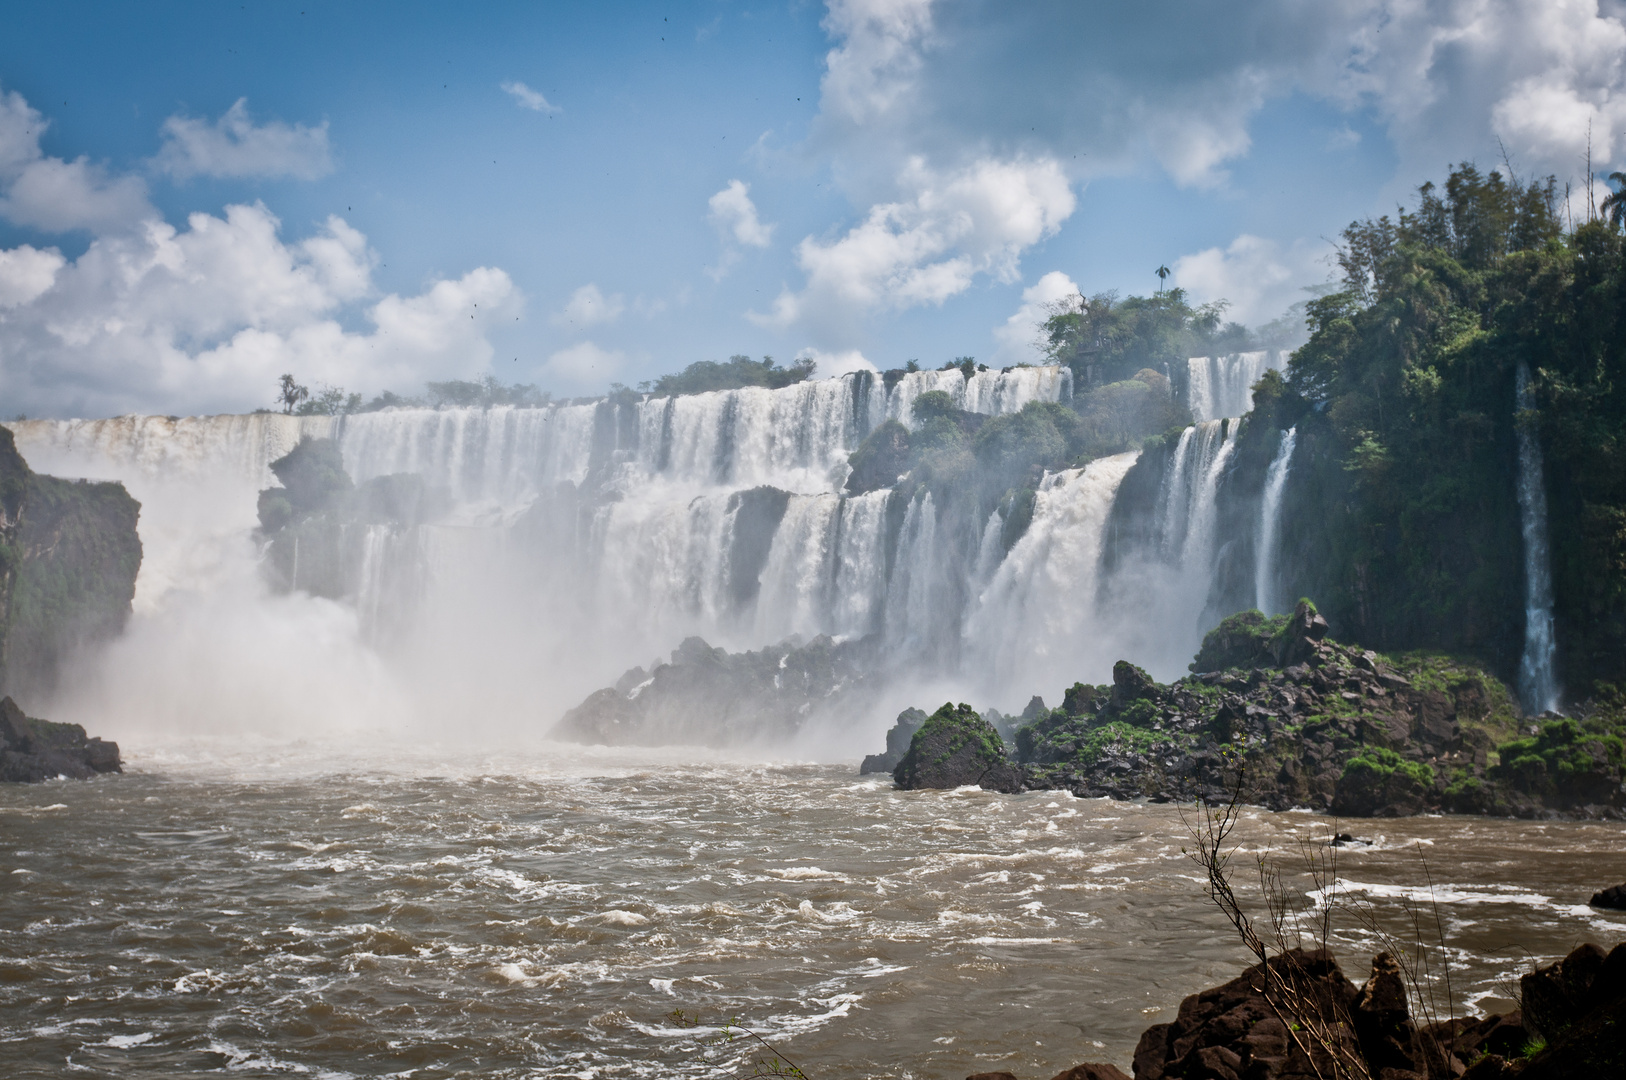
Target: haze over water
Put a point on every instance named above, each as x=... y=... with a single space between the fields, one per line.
x=377 y=909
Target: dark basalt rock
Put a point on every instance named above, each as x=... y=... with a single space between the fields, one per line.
x=1090 y=1071
x=1233 y=1031
x=955 y=747
x=1613 y=897
x=69 y=554
x=34 y=750
x=708 y=696
x=897 y=743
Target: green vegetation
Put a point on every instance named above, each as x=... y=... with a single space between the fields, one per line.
x=952 y=727
x=1405 y=521
x=1105 y=340
x=736 y=372
x=973 y=463
x=1377 y=764
x=1564 y=756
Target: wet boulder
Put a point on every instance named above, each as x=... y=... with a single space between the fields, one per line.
x=1613 y=898
x=1233 y=1031
x=33 y=750
x=956 y=747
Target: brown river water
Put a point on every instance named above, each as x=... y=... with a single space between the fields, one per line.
x=318 y=911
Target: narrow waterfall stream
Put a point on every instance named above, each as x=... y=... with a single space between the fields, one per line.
x=1538 y=681
x=1266 y=571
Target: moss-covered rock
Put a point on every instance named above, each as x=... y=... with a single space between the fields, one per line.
x=956 y=747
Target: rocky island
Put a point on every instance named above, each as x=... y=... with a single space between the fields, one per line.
x=1308 y=721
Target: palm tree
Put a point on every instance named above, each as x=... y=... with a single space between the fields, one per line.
x=1614 y=204
x=1162 y=272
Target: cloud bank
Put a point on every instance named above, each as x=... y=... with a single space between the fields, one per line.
x=163 y=319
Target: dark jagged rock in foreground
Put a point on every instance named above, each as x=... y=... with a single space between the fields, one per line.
x=1573 y=1025
x=69 y=553
x=954 y=748
x=712 y=697
x=1317 y=724
x=34 y=750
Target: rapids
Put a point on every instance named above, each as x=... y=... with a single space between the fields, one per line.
x=392 y=909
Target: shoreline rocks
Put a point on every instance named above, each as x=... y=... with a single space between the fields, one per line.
x=1570 y=1026
x=1324 y=726
x=33 y=750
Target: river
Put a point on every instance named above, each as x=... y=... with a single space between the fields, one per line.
x=371 y=909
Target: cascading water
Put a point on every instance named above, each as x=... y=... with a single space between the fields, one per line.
x=571 y=541
x=1538 y=681
x=1266 y=572
x=1038 y=622
x=1221 y=386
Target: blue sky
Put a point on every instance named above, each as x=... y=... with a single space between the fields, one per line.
x=574 y=194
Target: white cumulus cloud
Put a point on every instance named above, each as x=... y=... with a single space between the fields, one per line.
x=1016 y=339
x=585 y=366
x=54 y=195
x=207 y=317
x=590 y=307
x=26 y=272
x=234 y=146
x=526 y=98
x=1259 y=277
x=923 y=250
x=735 y=216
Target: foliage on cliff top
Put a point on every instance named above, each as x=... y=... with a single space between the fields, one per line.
x=734 y=373
x=1104 y=339
x=983 y=461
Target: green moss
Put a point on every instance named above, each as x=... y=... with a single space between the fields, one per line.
x=1376 y=764
x=1117 y=735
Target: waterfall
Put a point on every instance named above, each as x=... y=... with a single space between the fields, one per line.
x=1220 y=386
x=988 y=392
x=1538 y=682
x=1266 y=572
x=1038 y=623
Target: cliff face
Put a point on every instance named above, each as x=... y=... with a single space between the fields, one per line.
x=69 y=553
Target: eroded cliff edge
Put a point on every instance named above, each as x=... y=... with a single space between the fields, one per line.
x=69 y=554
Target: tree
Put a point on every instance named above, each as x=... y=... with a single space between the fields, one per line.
x=291 y=394
x=1162 y=273
x=1614 y=203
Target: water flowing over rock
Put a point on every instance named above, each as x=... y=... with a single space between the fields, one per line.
x=1266 y=571
x=1538 y=683
x=1219 y=386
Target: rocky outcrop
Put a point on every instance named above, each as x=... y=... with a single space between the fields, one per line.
x=956 y=747
x=1613 y=898
x=1572 y=1024
x=897 y=743
x=316 y=524
x=707 y=696
x=69 y=553
x=1322 y=725
x=34 y=750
